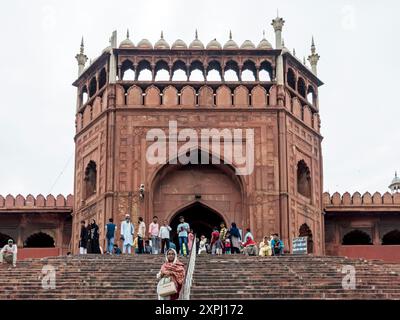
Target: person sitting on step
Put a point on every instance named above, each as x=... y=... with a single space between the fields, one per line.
x=227 y=246
x=250 y=246
x=116 y=250
x=8 y=253
x=277 y=245
x=203 y=245
x=265 y=248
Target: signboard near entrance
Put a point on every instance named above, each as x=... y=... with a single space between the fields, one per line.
x=299 y=245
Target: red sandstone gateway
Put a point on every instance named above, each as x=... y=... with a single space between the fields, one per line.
x=259 y=88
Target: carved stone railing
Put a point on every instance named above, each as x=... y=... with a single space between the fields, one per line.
x=185 y=293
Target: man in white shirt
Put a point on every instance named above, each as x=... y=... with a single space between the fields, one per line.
x=154 y=230
x=164 y=235
x=9 y=253
x=127 y=232
x=141 y=235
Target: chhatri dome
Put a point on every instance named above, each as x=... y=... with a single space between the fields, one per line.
x=230 y=44
x=395 y=185
x=214 y=44
x=145 y=44
x=196 y=43
x=179 y=44
x=247 y=45
x=161 y=44
x=264 y=43
x=127 y=43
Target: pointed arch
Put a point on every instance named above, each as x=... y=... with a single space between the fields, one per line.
x=258 y=97
x=224 y=97
x=152 y=97
x=134 y=96
x=170 y=97
x=241 y=96
x=356 y=237
x=206 y=96
x=39 y=240
x=188 y=96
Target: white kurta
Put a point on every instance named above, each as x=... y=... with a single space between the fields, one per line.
x=127 y=231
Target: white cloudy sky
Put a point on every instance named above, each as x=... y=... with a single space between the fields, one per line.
x=357 y=41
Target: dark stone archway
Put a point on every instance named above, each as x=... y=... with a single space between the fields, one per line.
x=39 y=240
x=201 y=219
x=356 y=237
x=391 y=238
x=305 y=231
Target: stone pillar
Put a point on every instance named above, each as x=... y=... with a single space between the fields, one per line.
x=112 y=78
x=278 y=23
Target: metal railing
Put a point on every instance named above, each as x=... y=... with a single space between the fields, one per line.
x=185 y=293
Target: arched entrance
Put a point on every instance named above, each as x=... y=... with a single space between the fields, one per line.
x=356 y=237
x=39 y=240
x=212 y=191
x=201 y=219
x=305 y=231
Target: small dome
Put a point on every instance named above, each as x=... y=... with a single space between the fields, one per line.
x=161 y=44
x=108 y=49
x=145 y=44
x=247 y=45
x=196 y=43
x=284 y=49
x=230 y=44
x=214 y=44
x=264 y=44
x=396 y=179
x=127 y=43
x=179 y=44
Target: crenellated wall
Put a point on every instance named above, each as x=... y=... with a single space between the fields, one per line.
x=368 y=220
x=357 y=200
x=39 y=202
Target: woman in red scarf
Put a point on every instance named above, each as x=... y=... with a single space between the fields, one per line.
x=173 y=269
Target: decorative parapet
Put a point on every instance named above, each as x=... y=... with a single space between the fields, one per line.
x=356 y=201
x=40 y=202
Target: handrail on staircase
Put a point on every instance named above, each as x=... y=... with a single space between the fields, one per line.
x=185 y=293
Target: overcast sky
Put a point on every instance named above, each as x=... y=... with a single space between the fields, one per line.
x=357 y=41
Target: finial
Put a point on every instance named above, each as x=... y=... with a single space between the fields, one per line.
x=162 y=34
x=127 y=33
x=196 y=35
x=294 y=51
x=230 y=35
x=263 y=34
x=312 y=45
x=314 y=57
x=82 y=46
x=395 y=174
x=304 y=60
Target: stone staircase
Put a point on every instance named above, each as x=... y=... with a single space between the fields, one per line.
x=291 y=277
x=215 y=277
x=84 y=277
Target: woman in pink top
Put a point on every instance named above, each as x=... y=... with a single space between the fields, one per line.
x=190 y=239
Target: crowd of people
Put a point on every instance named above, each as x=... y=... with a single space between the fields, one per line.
x=222 y=239
x=158 y=240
